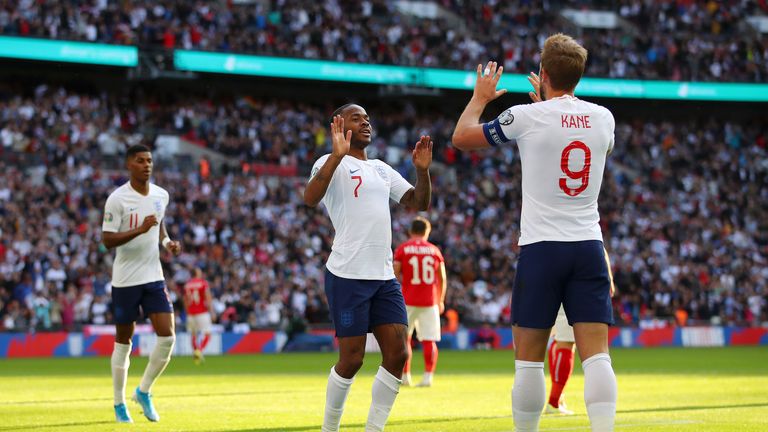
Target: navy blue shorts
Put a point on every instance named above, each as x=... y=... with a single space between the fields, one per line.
x=573 y=274
x=357 y=306
x=151 y=297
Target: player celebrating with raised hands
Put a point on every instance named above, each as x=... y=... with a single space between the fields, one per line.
x=363 y=294
x=133 y=224
x=563 y=143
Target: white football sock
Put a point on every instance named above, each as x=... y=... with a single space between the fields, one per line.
x=335 y=396
x=158 y=360
x=121 y=359
x=385 y=389
x=600 y=392
x=427 y=377
x=528 y=395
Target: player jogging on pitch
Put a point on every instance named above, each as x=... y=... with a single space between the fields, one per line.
x=420 y=267
x=563 y=143
x=360 y=284
x=133 y=223
x=199 y=304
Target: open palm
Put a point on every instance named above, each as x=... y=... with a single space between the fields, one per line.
x=422 y=153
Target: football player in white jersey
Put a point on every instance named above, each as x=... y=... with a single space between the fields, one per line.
x=563 y=143
x=363 y=294
x=133 y=224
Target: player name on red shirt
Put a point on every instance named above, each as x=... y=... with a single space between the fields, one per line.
x=420 y=263
x=571 y=121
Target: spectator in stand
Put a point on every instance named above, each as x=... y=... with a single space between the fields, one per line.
x=694 y=40
x=679 y=212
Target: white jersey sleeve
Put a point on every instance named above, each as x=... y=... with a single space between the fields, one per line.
x=358 y=203
x=113 y=215
x=508 y=126
x=563 y=143
x=398 y=186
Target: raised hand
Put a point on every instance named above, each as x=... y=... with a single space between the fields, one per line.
x=487 y=80
x=148 y=223
x=174 y=247
x=339 y=139
x=536 y=84
x=422 y=153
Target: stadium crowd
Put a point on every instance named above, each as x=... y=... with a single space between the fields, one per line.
x=693 y=40
x=682 y=211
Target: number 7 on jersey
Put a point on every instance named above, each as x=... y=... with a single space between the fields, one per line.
x=359 y=183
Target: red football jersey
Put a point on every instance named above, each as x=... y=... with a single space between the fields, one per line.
x=194 y=290
x=420 y=265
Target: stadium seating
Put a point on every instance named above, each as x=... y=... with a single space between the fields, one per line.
x=694 y=40
x=686 y=248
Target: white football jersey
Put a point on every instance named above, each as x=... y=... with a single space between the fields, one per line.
x=563 y=144
x=357 y=200
x=138 y=261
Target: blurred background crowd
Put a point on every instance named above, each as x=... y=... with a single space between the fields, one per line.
x=695 y=40
x=683 y=206
x=683 y=211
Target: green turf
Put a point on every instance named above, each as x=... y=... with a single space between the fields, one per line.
x=666 y=389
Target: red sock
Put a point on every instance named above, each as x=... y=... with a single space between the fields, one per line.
x=563 y=368
x=430 y=355
x=194 y=341
x=204 y=343
x=551 y=359
x=407 y=367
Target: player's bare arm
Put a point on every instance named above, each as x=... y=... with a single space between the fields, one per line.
x=318 y=184
x=172 y=246
x=397 y=266
x=420 y=196
x=468 y=134
x=443 y=284
x=209 y=302
x=115 y=239
x=610 y=272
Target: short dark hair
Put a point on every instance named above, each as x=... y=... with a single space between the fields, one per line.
x=341 y=109
x=419 y=226
x=137 y=148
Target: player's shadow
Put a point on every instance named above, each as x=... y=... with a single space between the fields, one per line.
x=55 y=425
x=177 y=396
x=362 y=425
x=691 y=408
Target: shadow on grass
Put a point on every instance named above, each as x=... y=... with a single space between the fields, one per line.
x=691 y=408
x=162 y=397
x=55 y=425
x=362 y=425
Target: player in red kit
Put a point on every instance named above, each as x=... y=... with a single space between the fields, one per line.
x=199 y=304
x=421 y=269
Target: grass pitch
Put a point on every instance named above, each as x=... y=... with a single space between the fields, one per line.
x=663 y=389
